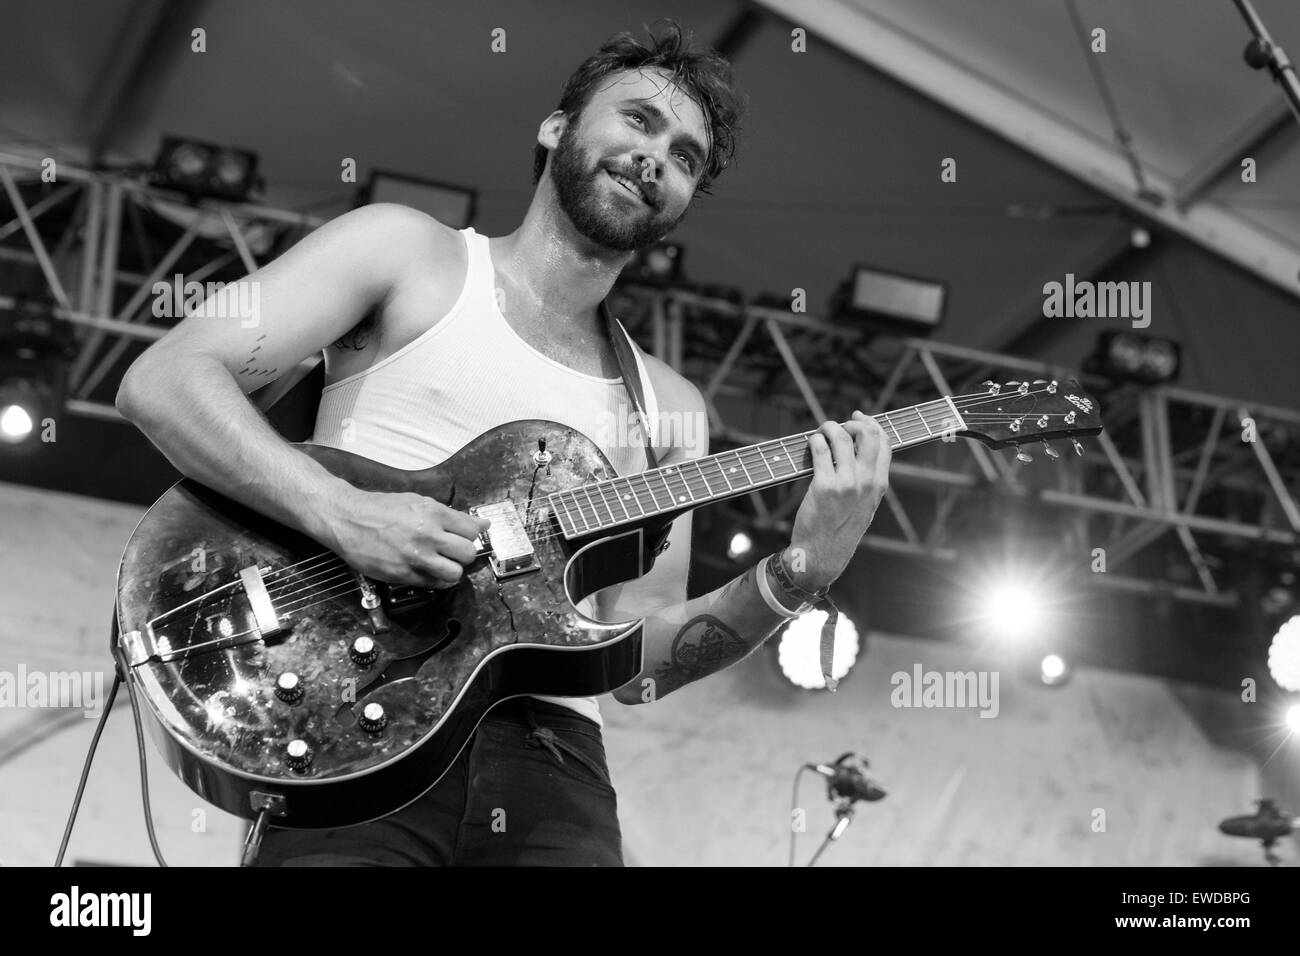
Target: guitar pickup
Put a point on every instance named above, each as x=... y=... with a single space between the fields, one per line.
x=508 y=547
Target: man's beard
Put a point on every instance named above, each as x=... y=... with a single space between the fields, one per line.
x=577 y=190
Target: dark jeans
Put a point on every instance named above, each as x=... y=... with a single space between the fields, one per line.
x=531 y=788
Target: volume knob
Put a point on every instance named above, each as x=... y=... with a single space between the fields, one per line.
x=298 y=755
x=363 y=651
x=288 y=687
x=373 y=719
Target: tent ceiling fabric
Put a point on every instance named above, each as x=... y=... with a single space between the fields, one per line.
x=839 y=163
x=1173 y=67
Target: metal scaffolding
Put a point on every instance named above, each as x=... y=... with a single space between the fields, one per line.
x=1216 y=474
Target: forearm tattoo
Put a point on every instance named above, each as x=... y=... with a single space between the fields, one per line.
x=704 y=645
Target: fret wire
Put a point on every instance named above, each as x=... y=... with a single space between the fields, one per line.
x=722 y=471
x=619 y=498
x=898 y=438
x=586 y=525
x=636 y=496
x=645 y=478
x=703 y=477
x=676 y=471
x=605 y=498
x=561 y=511
x=749 y=479
x=594 y=509
x=763 y=458
x=667 y=487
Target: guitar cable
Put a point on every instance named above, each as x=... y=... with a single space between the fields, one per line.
x=118 y=680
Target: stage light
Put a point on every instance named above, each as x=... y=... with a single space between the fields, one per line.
x=741 y=545
x=34 y=350
x=1128 y=357
x=201 y=169
x=798 y=649
x=451 y=205
x=1284 y=655
x=1293 y=718
x=15 y=423
x=1140 y=238
x=1011 y=611
x=659 y=265
x=890 y=300
x=1053 y=670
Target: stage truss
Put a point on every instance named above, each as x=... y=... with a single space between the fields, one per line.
x=1213 y=476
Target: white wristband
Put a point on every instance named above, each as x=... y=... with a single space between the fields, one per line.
x=765 y=589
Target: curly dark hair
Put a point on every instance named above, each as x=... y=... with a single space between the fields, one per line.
x=702 y=73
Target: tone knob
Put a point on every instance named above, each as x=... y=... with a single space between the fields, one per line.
x=373 y=719
x=298 y=755
x=363 y=651
x=288 y=687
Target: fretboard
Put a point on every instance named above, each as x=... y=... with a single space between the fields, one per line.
x=675 y=488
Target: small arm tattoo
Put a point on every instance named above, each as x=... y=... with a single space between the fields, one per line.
x=704 y=645
x=253 y=367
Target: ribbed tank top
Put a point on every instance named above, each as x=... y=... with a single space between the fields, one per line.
x=459 y=378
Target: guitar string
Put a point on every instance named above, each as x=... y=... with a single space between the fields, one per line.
x=328 y=562
x=348 y=575
x=912 y=431
x=693 y=484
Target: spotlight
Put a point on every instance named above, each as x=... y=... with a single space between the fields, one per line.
x=1053 y=670
x=741 y=545
x=1126 y=356
x=453 y=206
x=1140 y=238
x=201 y=169
x=891 y=301
x=1293 y=718
x=1012 y=611
x=659 y=265
x=18 y=406
x=798 y=650
x=34 y=349
x=1284 y=655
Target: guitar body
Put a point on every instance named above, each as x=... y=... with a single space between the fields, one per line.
x=216 y=604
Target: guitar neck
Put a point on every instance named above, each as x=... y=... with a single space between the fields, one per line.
x=609 y=504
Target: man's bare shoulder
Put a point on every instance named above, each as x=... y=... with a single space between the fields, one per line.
x=413 y=238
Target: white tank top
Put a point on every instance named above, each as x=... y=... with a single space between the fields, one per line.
x=459 y=378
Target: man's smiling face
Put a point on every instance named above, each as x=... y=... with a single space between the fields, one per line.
x=640 y=128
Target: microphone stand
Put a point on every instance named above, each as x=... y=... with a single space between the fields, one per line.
x=1263 y=52
x=843 y=817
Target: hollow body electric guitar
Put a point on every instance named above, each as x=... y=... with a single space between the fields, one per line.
x=276 y=679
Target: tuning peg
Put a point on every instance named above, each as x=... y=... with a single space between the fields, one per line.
x=1078 y=449
x=994 y=387
x=1051 y=452
x=1023 y=456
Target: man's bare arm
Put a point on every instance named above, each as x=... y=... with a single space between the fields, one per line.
x=188 y=394
x=685 y=640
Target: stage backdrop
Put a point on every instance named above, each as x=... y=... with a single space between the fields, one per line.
x=1110 y=769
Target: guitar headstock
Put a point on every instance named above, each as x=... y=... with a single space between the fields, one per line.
x=1025 y=412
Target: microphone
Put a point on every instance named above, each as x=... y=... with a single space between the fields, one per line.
x=846 y=779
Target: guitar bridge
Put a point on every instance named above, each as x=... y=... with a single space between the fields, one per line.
x=506 y=543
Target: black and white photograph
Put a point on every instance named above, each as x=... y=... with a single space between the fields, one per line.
x=603 y=433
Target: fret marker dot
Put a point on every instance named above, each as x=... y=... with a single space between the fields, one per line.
x=681 y=497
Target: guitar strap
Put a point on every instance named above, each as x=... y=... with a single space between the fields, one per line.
x=629 y=366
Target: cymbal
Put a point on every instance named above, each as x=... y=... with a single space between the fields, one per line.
x=1267 y=823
